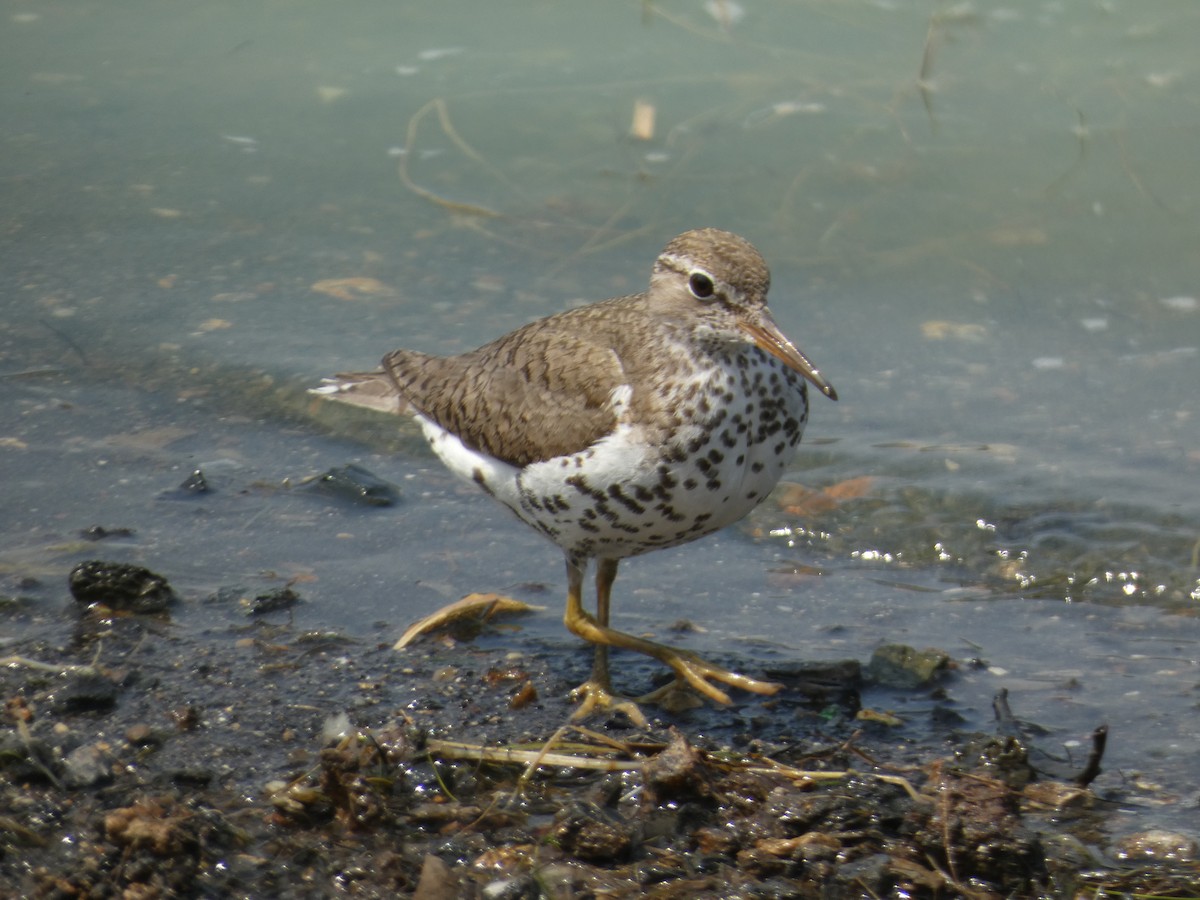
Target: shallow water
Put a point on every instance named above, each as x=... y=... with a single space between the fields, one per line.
x=981 y=225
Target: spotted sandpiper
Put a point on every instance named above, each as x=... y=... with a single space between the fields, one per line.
x=630 y=425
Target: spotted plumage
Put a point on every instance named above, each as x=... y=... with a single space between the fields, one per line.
x=631 y=425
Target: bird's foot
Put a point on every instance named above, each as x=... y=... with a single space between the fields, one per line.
x=698 y=673
x=596 y=696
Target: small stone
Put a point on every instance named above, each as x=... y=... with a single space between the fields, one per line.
x=192 y=776
x=868 y=874
x=195 y=483
x=358 y=485
x=901 y=666
x=1156 y=844
x=1068 y=853
x=1004 y=759
x=272 y=601
x=186 y=718
x=437 y=882
x=119 y=586
x=524 y=696
x=588 y=832
x=676 y=773
x=83 y=692
x=140 y=735
x=100 y=533
x=717 y=841
x=87 y=766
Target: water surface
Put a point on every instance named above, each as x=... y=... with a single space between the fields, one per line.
x=982 y=225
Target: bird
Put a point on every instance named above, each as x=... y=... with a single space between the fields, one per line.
x=626 y=426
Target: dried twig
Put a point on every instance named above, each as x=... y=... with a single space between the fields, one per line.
x=410 y=142
x=1133 y=176
x=1091 y=768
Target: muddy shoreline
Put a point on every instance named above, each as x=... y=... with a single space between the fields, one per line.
x=250 y=759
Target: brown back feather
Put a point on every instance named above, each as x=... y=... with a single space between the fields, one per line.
x=540 y=392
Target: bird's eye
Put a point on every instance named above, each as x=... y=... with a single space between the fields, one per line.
x=700 y=285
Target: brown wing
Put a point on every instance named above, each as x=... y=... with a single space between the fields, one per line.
x=532 y=395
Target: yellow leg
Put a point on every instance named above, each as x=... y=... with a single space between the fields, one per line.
x=604 y=581
x=596 y=692
x=688 y=667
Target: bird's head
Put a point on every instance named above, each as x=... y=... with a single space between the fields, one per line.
x=718 y=282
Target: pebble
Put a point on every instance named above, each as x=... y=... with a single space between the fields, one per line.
x=590 y=833
x=1156 y=844
x=677 y=772
x=119 y=586
x=83 y=692
x=87 y=766
x=141 y=734
x=901 y=666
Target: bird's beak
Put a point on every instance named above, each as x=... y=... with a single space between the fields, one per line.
x=767 y=336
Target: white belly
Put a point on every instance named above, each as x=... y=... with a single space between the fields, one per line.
x=626 y=495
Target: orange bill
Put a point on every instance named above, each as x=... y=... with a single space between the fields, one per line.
x=767 y=336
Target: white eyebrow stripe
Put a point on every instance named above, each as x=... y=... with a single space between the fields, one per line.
x=680 y=264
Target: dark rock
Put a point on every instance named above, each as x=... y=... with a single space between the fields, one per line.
x=676 y=773
x=272 y=601
x=192 y=777
x=584 y=830
x=195 y=483
x=901 y=666
x=869 y=875
x=822 y=684
x=359 y=485
x=228 y=593
x=946 y=717
x=1002 y=758
x=186 y=718
x=100 y=533
x=83 y=691
x=120 y=586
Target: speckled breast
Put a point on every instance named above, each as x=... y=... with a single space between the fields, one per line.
x=733 y=430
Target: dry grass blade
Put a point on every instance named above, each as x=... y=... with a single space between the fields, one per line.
x=478 y=606
x=38 y=665
x=925 y=78
x=1135 y=178
x=92 y=668
x=597 y=757
x=511 y=756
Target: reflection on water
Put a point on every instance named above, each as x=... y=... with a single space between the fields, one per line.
x=983 y=224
